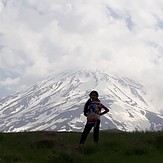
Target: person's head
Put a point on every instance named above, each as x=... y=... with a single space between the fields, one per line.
x=94 y=95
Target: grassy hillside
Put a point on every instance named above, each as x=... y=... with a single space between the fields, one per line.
x=57 y=147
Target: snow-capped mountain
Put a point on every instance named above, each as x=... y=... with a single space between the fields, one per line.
x=57 y=104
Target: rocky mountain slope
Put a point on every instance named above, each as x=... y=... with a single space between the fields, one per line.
x=57 y=104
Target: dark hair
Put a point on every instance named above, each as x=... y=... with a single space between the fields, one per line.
x=93 y=92
x=89 y=102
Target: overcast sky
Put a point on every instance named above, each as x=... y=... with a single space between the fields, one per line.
x=38 y=37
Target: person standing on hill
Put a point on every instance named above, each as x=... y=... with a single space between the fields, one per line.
x=92 y=110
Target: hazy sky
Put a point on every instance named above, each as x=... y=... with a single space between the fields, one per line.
x=38 y=37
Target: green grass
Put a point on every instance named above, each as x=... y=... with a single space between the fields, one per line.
x=57 y=147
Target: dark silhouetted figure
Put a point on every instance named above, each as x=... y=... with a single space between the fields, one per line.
x=92 y=110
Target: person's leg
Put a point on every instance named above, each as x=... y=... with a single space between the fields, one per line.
x=96 y=131
x=86 y=131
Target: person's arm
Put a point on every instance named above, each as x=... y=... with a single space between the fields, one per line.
x=105 y=109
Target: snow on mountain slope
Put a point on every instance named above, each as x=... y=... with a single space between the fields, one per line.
x=57 y=104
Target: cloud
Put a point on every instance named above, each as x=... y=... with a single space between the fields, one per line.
x=37 y=38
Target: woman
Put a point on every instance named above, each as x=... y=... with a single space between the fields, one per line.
x=92 y=110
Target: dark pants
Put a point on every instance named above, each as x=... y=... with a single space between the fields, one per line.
x=88 y=128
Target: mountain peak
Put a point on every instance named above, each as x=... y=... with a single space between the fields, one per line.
x=57 y=102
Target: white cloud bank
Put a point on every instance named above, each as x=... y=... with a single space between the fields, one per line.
x=41 y=37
